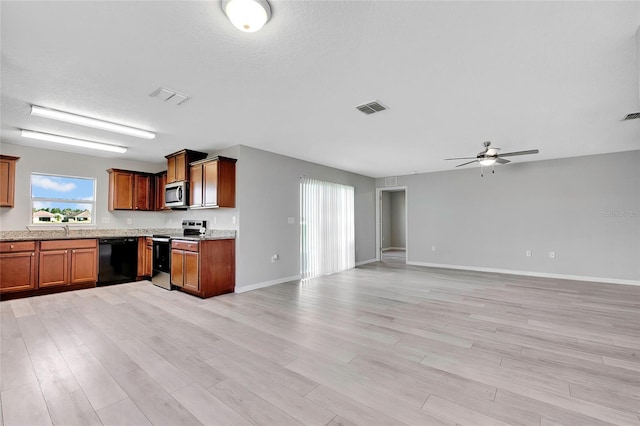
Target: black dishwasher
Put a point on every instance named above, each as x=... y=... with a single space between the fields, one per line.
x=118 y=260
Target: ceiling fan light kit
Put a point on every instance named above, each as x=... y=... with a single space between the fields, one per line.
x=490 y=157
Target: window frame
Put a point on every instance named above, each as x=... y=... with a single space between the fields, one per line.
x=32 y=199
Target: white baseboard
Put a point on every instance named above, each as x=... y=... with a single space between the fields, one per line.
x=529 y=274
x=364 y=262
x=266 y=284
x=394 y=248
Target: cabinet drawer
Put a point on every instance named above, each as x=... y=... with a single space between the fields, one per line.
x=67 y=244
x=17 y=246
x=185 y=245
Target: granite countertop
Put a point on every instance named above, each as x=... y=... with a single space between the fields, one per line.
x=60 y=234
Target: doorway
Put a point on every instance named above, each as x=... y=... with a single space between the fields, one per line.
x=392 y=226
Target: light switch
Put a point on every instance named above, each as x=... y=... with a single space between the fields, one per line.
x=291 y=220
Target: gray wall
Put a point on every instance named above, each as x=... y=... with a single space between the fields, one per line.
x=268 y=194
x=398 y=220
x=586 y=209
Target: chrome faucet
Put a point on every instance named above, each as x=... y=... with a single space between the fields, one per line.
x=66 y=230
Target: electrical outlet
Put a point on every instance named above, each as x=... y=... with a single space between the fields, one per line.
x=129 y=221
x=106 y=219
x=233 y=220
x=291 y=220
x=552 y=254
x=274 y=258
x=215 y=220
x=528 y=253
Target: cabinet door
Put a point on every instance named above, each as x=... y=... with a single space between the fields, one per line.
x=54 y=268
x=17 y=271
x=84 y=265
x=148 y=260
x=7 y=182
x=171 y=169
x=181 y=167
x=195 y=178
x=161 y=181
x=121 y=188
x=210 y=183
x=176 y=268
x=191 y=269
x=144 y=192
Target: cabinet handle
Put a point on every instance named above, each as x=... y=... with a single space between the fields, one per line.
x=66 y=251
x=73 y=251
x=12 y=246
x=33 y=254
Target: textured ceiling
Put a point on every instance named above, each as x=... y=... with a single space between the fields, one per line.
x=557 y=76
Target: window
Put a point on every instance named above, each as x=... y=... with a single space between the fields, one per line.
x=327 y=234
x=62 y=199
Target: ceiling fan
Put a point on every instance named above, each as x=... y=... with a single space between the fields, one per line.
x=490 y=156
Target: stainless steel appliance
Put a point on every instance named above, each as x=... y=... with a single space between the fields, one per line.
x=176 y=195
x=161 y=274
x=161 y=263
x=118 y=261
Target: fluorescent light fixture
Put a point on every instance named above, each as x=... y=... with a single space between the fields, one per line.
x=487 y=162
x=90 y=122
x=247 y=15
x=72 y=141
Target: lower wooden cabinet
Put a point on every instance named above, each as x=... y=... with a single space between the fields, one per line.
x=145 y=257
x=203 y=268
x=67 y=262
x=18 y=266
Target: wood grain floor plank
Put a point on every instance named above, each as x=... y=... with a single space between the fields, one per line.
x=206 y=407
x=24 y=405
x=122 y=413
x=250 y=406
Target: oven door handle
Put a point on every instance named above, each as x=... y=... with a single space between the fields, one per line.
x=160 y=240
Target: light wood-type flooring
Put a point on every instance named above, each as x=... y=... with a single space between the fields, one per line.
x=381 y=344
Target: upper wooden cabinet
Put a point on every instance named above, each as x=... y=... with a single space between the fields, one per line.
x=7 y=180
x=129 y=190
x=213 y=183
x=161 y=181
x=178 y=164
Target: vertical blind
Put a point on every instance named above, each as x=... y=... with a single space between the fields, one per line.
x=327 y=235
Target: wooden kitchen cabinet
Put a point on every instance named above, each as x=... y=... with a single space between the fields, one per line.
x=68 y=262
x=130 y=190
x=145 y=257
x=178 y=164
x=185 y=265
x=213 y=183
x=203 y=268
x=161 y=181
x=18 y=266
x=7 y=180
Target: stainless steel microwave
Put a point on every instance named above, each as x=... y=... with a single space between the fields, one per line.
x=176 y=194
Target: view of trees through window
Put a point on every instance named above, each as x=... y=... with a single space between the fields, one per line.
x=62 y=199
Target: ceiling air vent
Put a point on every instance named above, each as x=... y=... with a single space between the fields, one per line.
x=169 y=96
x=371 y=107
x=390 y=181
x=632 y=116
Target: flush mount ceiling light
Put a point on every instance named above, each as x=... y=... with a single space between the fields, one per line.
x=72 y=141
x=90 y=122
x=247 y=15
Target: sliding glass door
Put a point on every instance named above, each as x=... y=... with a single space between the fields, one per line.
x=327 y=235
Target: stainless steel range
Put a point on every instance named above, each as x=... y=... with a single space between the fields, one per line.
x=161 y=275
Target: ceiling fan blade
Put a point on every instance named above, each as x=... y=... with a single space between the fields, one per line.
x=464 y=164
x=502 y=161
x=461 y=158
x=509 y=154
